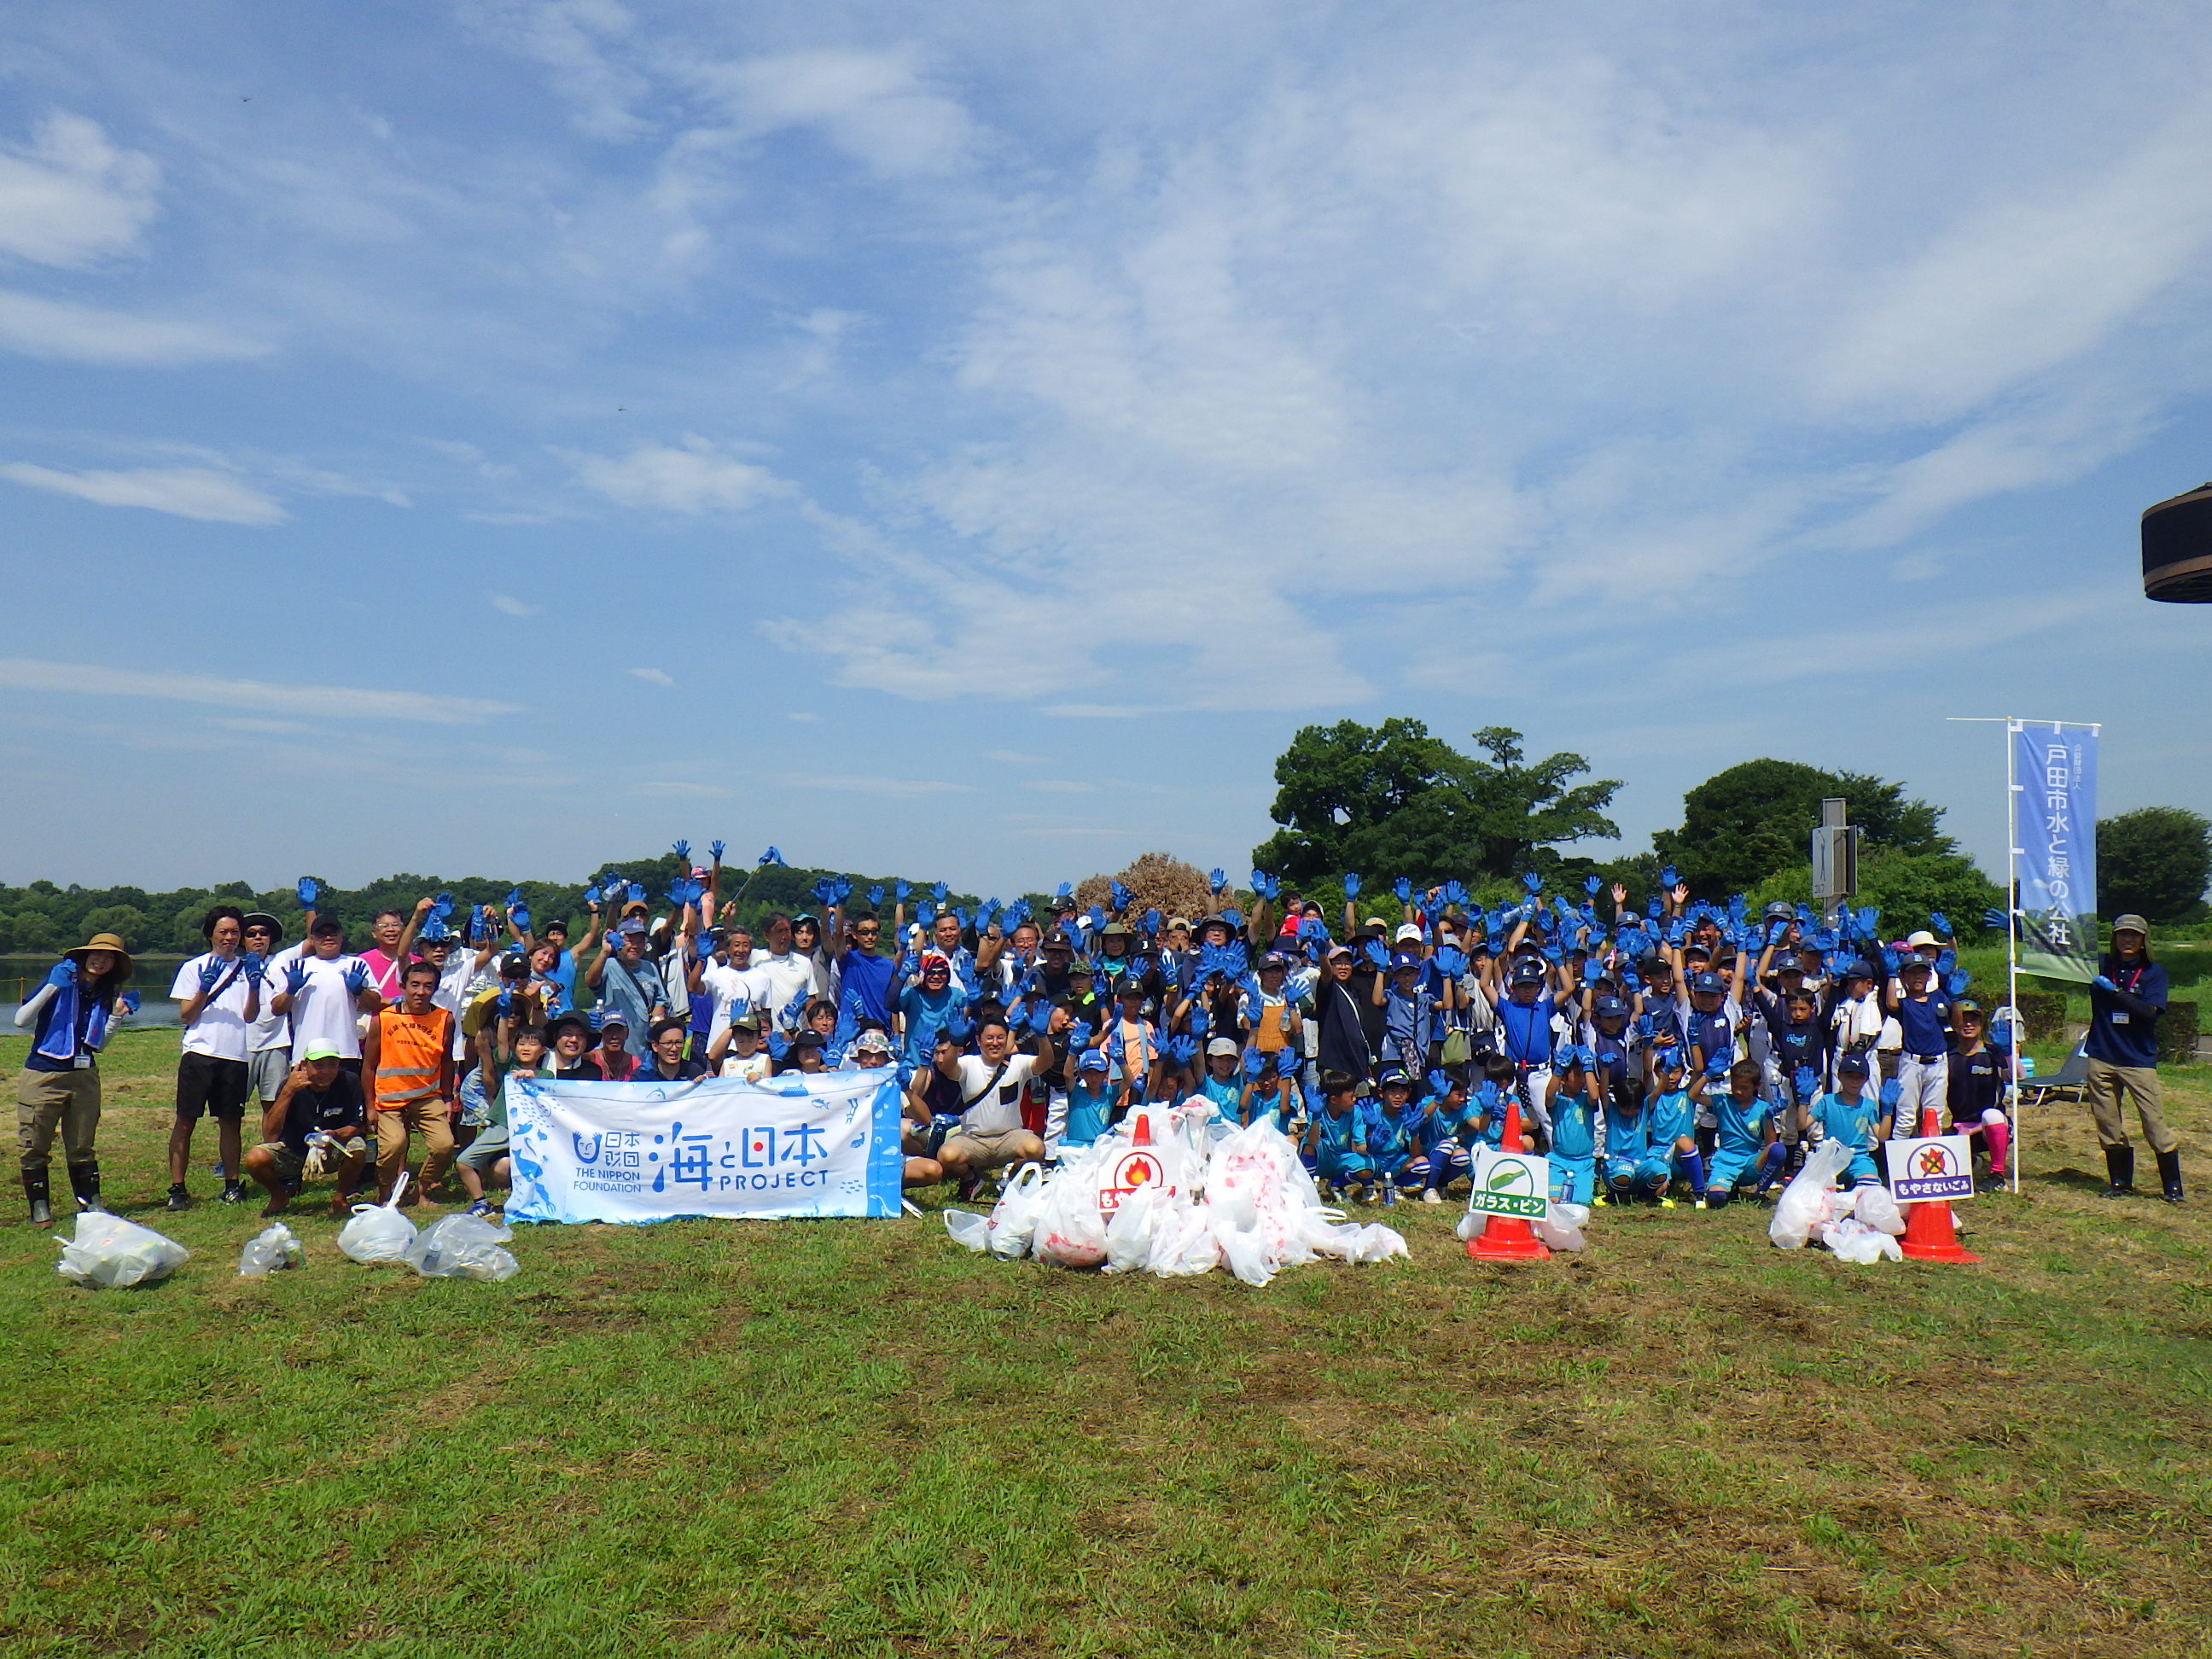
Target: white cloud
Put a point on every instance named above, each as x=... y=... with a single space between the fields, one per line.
x=874 y=106
x=70 y=197
x=1061 y=785
x=64 y=331
x=507 y=604
x=804 y=717
x=700 y=476
x=651 y=676
x=188 y=492
x=323 y=702
x=1014 y=758
x=681 y=788
x=896 y=788
x=571 y=40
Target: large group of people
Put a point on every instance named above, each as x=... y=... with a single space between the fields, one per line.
x=1686 y=1052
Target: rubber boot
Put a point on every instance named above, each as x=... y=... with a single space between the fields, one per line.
x=84 y=1181
x=2120 y=1169
x=35 y=1188
x=2169 y=1175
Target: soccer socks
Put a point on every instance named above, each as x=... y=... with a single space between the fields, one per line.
x=1693 y=1166
x=1999 y=1135
x=1770 y=1165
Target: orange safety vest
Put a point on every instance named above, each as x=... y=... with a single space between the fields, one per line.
x=410 y=1056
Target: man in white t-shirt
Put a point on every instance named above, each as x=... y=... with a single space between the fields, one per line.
x=736 y=985
x=325 y=993
x=786 y=973
x=992 y=1081
x=218 y=1000
x=268 y=1041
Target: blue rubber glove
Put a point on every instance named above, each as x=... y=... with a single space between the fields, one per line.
x=1451 y=962
x=1066 y=891
x=1374 y=953
x=1653 y=906
x=1122 y=894
x=637 y=892
x=875 y=899
x=130 y=1000
x=683 y=851
x=503 y=1004
x=960 y=1028
x=590 y=897
x=1586 y=1055
x=1563 y=1056
x=1454 y=892
x=909 y=964
x=1937 y=924
x=309 y=890
x=1668 y=879
x=1533 y=883
x=1254 y=1062
x=1956 y=983
x=1592 y=970
x=1439 y=1085
x=63 y=975
x=1182 y=1049
x=2104 y=983
x=1078 y=1035
x=356 y=979
x=1716 y=1068
x=520 y=912
x=1805 y=1081
x=295 y=978
x=1200 y=1023
x=1996 y=921
x=924 y=913
x=938 y=892
x=1869 y=921
x=715 y=849
x=1351 y=887
x=256 y=967
x=1216 y=879
x=900 y=890
x=210 y=973
x=1891 y=1092
x=1404 y=889
x=778 y=1045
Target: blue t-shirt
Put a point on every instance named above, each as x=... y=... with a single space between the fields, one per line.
x=1337 y=1134
x=1087 y=1114
x=1391 y=1136
x=1742 y=1123
x=1526 y=1030
x=564 y=975
x=926 y=1013
x=1835 y=1118
x=1228 y=1095
x=1574 y=1127
x=1671 y=1117
x=1627 y=1132
x=865 y=981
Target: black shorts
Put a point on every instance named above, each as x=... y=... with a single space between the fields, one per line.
x=216 y=1087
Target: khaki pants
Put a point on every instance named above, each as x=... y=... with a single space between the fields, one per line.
x=427 y=1118
x=2112 y=1089
x=45 y=1101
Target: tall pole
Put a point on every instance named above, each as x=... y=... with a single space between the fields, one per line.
x=2012 y=943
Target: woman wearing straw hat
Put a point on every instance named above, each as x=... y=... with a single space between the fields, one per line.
x=60 y=1085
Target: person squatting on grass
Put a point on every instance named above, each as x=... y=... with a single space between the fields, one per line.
x=1686 y=1048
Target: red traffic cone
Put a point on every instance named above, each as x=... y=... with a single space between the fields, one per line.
x=1505 y=1237
x=1929 y=1236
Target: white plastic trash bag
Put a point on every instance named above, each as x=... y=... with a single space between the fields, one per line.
x=1561 y=1226
x=1806 y=1201
x=110 y=1252
x=1852 y=1240
x=378 y=1233
x=1070 y=1231
x=270 y=1249
x=968 y=1229
x=1881 y=1211
x=463 y=1247
x=1183 y=1245
x=1129 y=1234
x=1014 y=1217
x=1241 y=1251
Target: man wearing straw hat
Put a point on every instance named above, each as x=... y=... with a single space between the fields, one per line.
x=59 y=1088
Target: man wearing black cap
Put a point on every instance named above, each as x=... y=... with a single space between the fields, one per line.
x=2126 y=999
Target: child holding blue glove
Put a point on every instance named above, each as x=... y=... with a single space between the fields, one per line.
x=1571 y=1104
x=1849 y=1114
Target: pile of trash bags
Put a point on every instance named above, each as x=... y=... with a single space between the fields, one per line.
x=1861 y=1224
x=1561 y=1227
x=452 y=1247
x=1174 y=1191
x=109 y=1252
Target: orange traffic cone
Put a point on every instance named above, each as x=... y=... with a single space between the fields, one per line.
x=1928 y=1232
x=1505 y=1237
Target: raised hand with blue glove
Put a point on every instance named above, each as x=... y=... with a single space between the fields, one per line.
x=1956 y=983
x=356 y=978
x=938 y=892
x=1182 y=1049
x=295 y=978
x=210 y=971
x=1254 y=1063
x=1533 y=883
x=256 y=967
x=309 y=890
x=772 y=856
x=1806 y=1081
x=715 y=849
x=1938 y=925
x=1891 y=1092
x=1996 y=921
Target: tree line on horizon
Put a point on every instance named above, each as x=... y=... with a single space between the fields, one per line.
x=1376 y=801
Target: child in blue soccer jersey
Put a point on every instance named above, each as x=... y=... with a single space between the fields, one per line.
x=1336 y=1140
x=1089 y=1100
x=1743 y=1131
x=1221 y=1084
x=1450 y=1127
x=1671 y=1122
x=1572 y=1097
x=1850 y=1114
x=1627 y=1140
x=1394 y=1126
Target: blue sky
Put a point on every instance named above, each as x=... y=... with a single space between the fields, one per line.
x=498 y=437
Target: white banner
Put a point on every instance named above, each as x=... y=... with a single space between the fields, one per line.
x=820 y=1144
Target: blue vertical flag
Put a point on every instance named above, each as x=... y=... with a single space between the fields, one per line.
x=2055 y=786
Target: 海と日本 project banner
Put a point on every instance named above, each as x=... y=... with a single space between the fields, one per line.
x=823 y=1145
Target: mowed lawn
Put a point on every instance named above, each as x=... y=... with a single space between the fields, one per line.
x=851 y=1437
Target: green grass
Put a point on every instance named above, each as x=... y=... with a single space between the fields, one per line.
x=851 y=1437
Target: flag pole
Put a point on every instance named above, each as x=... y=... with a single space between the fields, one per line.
x=2012 y=944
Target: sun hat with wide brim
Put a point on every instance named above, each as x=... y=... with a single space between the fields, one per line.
x=262 y=918
x=103 y=942
x=2130 y=923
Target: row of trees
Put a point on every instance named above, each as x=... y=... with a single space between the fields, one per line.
x=1390 y=800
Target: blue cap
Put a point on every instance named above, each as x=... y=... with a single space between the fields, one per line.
x=1094 y=1059
x=1404 y=959
x=1611 y=1005
x=1712 y=983
x=1852 y=1065
x=1528 y=973
x=1396 y=1074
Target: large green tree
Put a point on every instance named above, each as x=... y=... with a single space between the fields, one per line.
x=2155 y=860
x=1742 y=825
x=1390 y=800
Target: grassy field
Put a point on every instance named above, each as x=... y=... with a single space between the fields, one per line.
x=850 y=1437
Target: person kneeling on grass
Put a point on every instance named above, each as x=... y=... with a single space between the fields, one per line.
x=319 y=1104
x=1746 y=1131
x=1853 y=1116
x=1335 y=1150
x=1571 y=1100
x=408 y=1054
x=484 y=1161
x=990 y=1135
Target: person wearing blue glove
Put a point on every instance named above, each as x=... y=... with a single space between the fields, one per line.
x=1224 y=1083
x=1335 y=1149
x=1270 y=1013
x=1745 y=1138
x=71 y=1016
x=1671 y=1107
x=268 y=1039
x=1090 y=1100
x=1851 y=1114
x=1571 y=1107
x=629 y=983
x=2126 y=1000
x=1394 y=1136
x=1922 y=1009
x=1980 y=1074
x=217 y=1003
x=333 y=994
x=1625 y=1129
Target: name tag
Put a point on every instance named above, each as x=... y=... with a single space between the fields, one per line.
x=2119 y=1018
